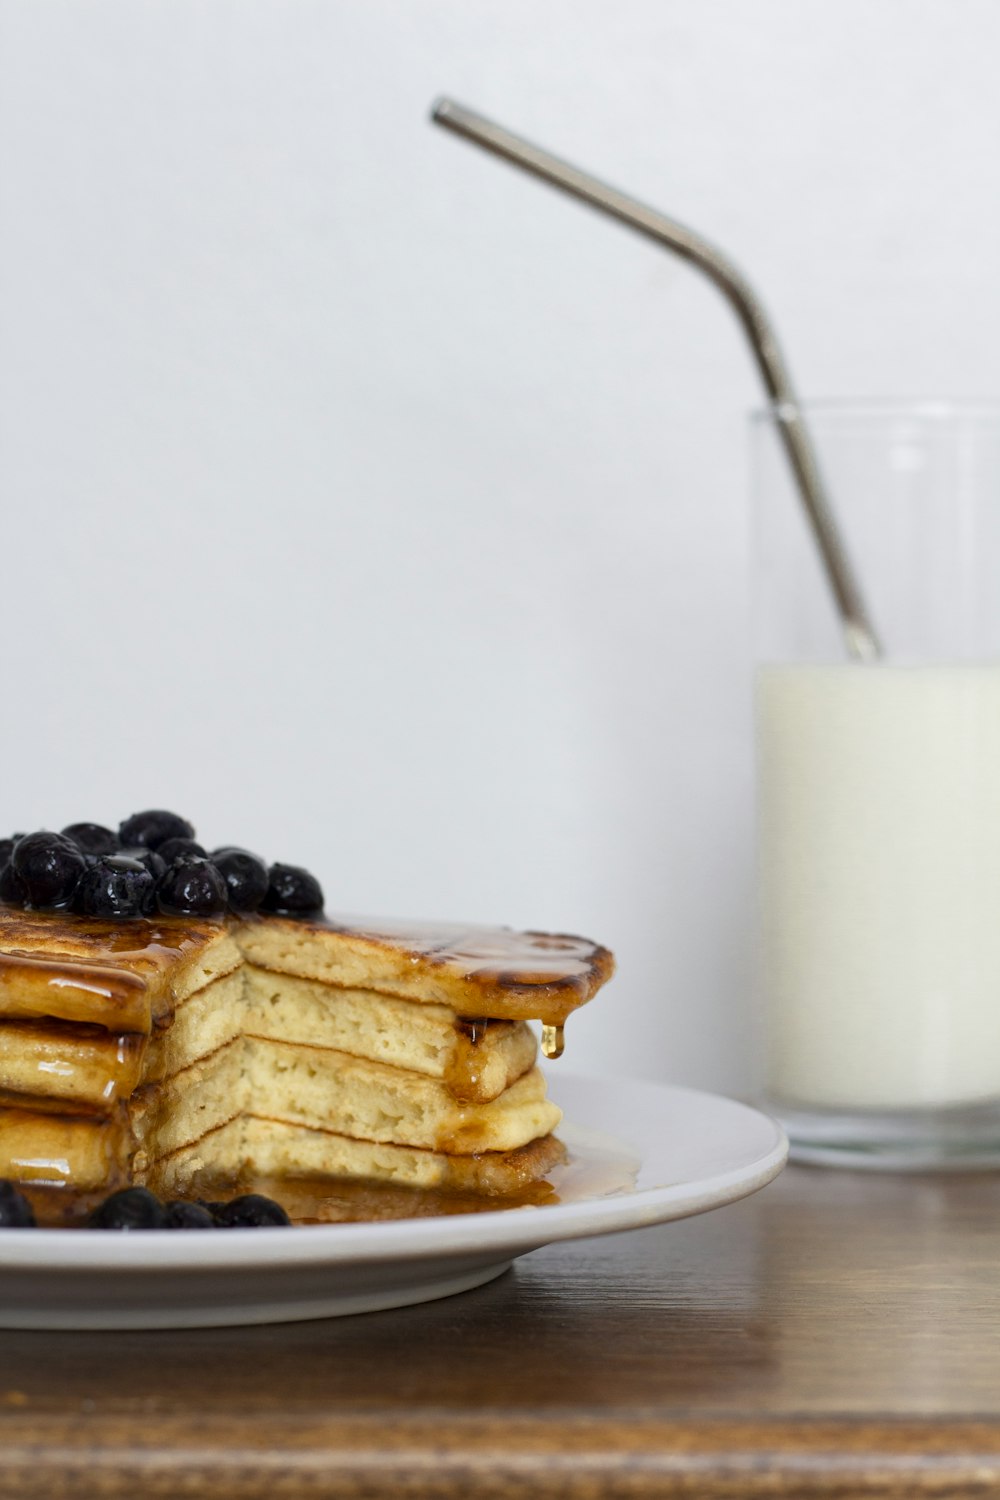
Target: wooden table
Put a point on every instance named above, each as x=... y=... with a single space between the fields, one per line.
x=837 y=1335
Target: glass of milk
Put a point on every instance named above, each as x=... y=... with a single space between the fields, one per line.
x=878 y=791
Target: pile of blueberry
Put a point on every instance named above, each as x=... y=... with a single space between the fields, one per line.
x=152 y=864
x=138 y=1208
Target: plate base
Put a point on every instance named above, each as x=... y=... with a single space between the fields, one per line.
x=685 y=1153
x=21 y=1307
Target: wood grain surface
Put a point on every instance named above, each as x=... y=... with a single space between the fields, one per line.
x=836 y=1335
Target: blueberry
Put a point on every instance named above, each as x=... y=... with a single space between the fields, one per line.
x=245 y=875
x=153 y=828
x=153 y=861
x=191 y=888
x=92 y=838
x=115 y=886
x=183 y=1215
x=12 y=890
x=172 y=849
x=214 y=1210
x=49 y=867
x=292 y=892
x=15 y=1210
x=132 y=1208
x=252 y=1211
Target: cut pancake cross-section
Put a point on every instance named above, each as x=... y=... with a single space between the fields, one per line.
x=178 y=1052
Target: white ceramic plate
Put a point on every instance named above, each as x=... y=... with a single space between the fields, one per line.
x=688 y=1152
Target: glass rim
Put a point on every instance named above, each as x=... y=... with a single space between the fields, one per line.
x=861 y=408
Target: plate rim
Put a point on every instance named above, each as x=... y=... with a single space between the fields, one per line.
x=505 y=1231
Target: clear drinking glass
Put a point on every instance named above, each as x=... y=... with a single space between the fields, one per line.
x=878 y=790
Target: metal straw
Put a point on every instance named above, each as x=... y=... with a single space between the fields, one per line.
x=859 y=632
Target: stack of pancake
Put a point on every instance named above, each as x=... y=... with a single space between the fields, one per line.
x=179 y=1052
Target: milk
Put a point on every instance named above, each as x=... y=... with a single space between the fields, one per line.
x=879 y=884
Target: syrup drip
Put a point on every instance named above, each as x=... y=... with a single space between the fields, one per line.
x=552 y=1041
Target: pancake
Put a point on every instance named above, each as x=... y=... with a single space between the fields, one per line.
x=478 y=1058
x=480 y=971
x=74 y=1153
x=85 y=1068
x=170 y=1051
x=321 y=1089
x=123 y=976
x=252 y=1148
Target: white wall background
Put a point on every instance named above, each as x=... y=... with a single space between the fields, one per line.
x=378 y=508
